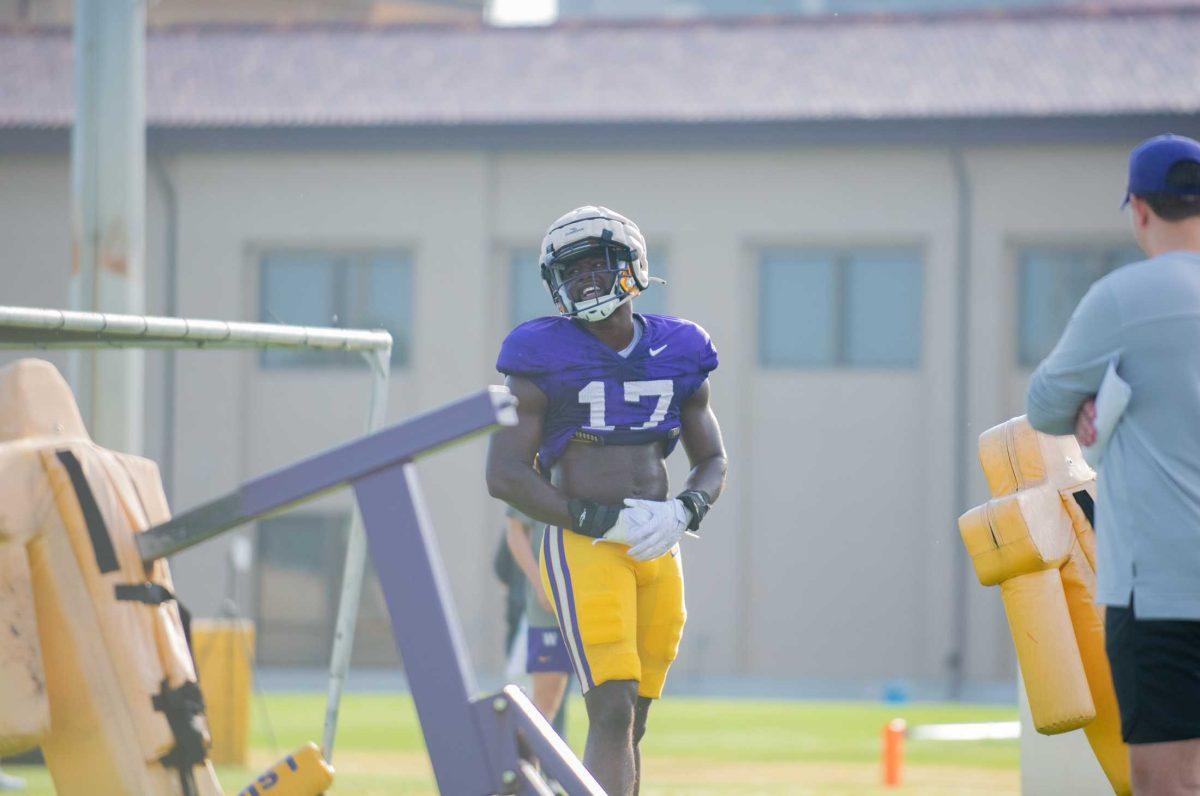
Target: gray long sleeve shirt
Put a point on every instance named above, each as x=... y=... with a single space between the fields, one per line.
x=1147 y=317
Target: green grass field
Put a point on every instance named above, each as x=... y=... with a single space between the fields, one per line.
x=694 y=746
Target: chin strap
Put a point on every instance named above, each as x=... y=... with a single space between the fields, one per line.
x=612 y=301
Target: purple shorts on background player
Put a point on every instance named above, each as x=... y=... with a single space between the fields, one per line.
x=546 y=651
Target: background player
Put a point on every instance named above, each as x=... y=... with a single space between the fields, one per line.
x=543 y=653
x=604 y=396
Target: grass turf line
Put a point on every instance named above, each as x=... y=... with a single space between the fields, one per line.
x=692 y=745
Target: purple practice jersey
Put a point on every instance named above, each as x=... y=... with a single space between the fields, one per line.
x=596 y=395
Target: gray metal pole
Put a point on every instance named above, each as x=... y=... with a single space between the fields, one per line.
x=956 y=663
x=171 y=307
x=108 y=200
x=354 y=569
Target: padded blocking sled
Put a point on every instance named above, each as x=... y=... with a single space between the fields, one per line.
x=24 y=708
x=125 y=715
x=1036 y=541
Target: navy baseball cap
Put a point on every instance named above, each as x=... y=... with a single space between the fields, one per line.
x=1150 y=161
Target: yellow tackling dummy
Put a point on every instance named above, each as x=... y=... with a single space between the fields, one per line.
x=1035 y=540
x=98 y=673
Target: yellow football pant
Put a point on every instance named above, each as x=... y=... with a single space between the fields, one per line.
x=621 y=618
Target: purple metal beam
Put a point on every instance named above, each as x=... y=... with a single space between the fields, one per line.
x=513 y=728
x=425 y=626
x=418 y=436
x=336 y=467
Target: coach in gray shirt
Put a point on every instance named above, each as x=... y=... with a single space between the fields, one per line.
x=1146 y=318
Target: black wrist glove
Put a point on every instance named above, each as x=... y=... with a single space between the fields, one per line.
x=591 y=518
x=696 y=502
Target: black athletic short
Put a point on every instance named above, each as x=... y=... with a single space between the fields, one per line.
x=1156 y=672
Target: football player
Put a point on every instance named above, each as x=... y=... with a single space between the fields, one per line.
x=604 y=396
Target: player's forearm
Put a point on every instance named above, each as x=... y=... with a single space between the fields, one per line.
x=1052 y=414
x=708 y=477
x=522 y=488
x=1072 y=372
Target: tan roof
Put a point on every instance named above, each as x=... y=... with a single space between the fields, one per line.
x=1031 y=64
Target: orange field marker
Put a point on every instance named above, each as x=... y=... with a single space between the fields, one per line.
x=893 y=751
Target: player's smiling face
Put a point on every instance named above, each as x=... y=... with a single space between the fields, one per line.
x=588 y=277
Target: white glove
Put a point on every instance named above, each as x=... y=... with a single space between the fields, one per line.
x=655 y=526
x=620 y=532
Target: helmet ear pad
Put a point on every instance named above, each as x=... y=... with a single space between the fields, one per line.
x=629 y=282
x=639 y=268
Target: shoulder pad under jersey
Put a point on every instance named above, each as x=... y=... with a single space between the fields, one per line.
x=687 y=339
x=533 y=347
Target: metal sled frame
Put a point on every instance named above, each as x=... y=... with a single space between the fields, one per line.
x=478 y=745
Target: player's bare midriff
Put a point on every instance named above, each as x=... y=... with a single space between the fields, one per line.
x=611 y=473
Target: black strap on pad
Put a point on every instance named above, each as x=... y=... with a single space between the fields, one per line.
x=156 y=594
x=185 y=616
x=1087 y=504
x=102 y=546
x=184 y=709
x=148 y=593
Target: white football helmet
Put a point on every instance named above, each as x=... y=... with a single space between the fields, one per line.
x=591 y=230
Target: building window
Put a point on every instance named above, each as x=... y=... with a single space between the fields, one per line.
x=351 y=290
x=528 y=297
x=298 y=565
x=856 y=308
x=299 y=561
x=1051 y=281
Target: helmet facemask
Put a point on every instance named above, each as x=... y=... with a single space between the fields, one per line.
x=591 y=294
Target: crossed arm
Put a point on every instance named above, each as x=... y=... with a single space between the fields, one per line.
x=511 y=452
x=1062 y=389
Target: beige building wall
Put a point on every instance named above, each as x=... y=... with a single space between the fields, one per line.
x=832 y=555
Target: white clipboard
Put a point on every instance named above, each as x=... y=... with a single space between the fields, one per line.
x=1111 y=400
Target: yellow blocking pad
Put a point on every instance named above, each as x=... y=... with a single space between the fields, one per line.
x=224 y=650
x=24 y=493
x=74 y=508
x=24 y=708
x=1056 y=660
x=1087 y=618
x=1040 y=624
x=1017 y=534
x=1019 y=541
x=302 y=773
x=1014 y=457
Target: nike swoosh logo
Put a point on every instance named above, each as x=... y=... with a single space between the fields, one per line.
x=656 y=351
